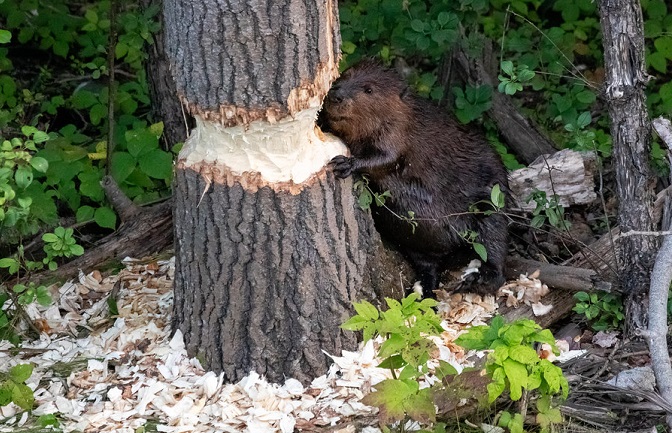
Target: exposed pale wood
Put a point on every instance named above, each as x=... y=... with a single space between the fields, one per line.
x=568 y=174
x=562 y=300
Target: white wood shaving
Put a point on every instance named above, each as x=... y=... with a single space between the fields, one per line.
x=128 y=370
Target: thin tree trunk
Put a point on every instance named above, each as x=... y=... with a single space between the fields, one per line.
x=626 y=78
x=166 y=106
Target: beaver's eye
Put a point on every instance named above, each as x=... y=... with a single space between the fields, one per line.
x=368 y=90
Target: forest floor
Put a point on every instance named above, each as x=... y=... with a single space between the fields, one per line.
x=119 y=373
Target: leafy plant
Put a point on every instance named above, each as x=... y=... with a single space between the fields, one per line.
x=514 y=77
x=495 y=204
x=405 y=327
x=547 y=210
x=515 y=366
x=13 y=388
x=472 y=102
x=366 y=196
x=17 y=191
x=604 y=311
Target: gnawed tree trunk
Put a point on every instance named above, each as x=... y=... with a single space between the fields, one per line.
x=270 y=250
x=625 y=81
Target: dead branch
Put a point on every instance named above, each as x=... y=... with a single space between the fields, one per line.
x=661 y=277
x=521 y=134
x=559 y=277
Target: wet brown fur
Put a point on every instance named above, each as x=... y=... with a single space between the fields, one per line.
x=430 y=164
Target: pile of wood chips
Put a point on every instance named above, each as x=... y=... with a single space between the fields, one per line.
x=114 y=374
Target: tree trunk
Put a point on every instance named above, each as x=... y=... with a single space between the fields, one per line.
x=626 y=78
x=270 y=249
x=166 y=106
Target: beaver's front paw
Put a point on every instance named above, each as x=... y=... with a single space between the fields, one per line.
x=342 y=166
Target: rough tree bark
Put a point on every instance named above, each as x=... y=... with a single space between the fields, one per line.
x=625 y=81
x=270 y=250
x=165 y=104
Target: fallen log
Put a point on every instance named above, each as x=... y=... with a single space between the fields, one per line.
x=567 y=278
x=521 y=134
x=568 y=174
x=143 y=231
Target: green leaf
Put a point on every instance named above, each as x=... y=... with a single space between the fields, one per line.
x=39 y=164
x=507 y=67
x=5 y=394
x=21 y=372
x=90 y=184
x=91 y=16
x=85 y=213
x=664 y=46
x=8 y=263
x=40 y=137
x=524 y=354
x=391 y=397
x=516 y=373
x=497 y=196
x=156 y=129
x=48 y=420
x=393 y=345
x=50 y=238
x=481 y=251
x=365 y=199
x=420 y=407
x=473 y=339
x=582 y=296
x=122 y=166
x=76 y=250
x=105 y=217
x=393 y=362
x=97 y=113
x=141 y=141
x=444 y=369
x=23 y=177
x=157 y=164
x=584 y=119
x=5 y=36
x=495 y=389
x=43 y=296
x=418 y=26
x=657 y=61
x=544 y=336
x=586 y=97
x=366 y=310
x=538 y=221
x=83 y=99
x=22 y=396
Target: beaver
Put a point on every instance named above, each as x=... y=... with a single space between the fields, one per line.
x=431 y=166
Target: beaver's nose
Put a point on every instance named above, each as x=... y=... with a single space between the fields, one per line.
x=336 y=94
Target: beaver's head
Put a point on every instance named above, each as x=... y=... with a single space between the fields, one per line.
x=365 y=103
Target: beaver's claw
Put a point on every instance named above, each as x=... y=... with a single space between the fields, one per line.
x=342 y=166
